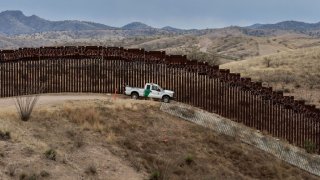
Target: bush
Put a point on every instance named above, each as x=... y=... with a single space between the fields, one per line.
x=91 y=170
x=25 y=105
x=44 y=174
x=310 y=146
x=155 y=175
x=297 y=85
x=24 y=176
x=11 y=171
x=78 y=142
x=189 y=159
x=51 y=154
x=286 y=90
x=4 y=136
x=267 y=61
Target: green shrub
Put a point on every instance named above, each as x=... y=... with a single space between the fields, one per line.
x=189 y=159
x=155 y=175
x=51 y=154
x=310 y=146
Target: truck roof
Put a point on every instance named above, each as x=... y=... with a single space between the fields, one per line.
x=152 y=84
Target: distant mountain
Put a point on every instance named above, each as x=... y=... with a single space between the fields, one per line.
x=172 y=29
x=136 y=26
x=288 y=26
x=15 y=22
x=255 y=26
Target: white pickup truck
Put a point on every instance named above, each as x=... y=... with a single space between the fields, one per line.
x=150 y=90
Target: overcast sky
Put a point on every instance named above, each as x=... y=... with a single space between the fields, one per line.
x=176 y=13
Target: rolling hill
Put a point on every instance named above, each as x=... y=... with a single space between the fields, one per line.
x=295 y=72
x=228 y=44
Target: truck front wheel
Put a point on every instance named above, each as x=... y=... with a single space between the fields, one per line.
x=166 y=99
x=134 y=95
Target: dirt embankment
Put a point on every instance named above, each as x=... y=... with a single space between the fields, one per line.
x=101 y=138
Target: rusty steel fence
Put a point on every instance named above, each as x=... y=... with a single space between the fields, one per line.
x=106 y=70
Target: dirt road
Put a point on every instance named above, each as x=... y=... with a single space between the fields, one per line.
x=51 y=99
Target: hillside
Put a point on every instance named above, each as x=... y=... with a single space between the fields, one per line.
x=295 y=72
x=227 y=44
x=94 y=139
x=14 y=43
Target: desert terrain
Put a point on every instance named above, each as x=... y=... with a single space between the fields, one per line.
x=99 y=137
x=296 y=73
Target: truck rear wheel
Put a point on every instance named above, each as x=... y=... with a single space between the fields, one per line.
x=166 y=99
x=134 y=95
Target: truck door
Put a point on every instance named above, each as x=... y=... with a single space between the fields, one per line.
x=147 y=91
x=155 y=93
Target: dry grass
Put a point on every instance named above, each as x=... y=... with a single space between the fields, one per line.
x=76 y=148
x=152 y=142
x=227 y=43
x=296 y=73
x=168 y=148
x=87 y=117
